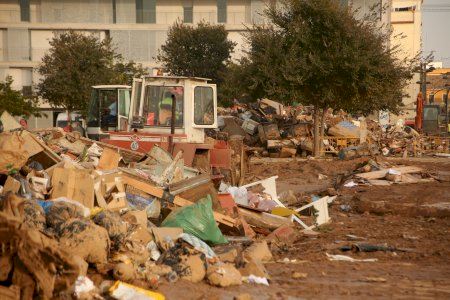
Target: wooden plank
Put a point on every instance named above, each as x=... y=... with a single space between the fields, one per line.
x=109 y=160
x=287 y=152
x=263 y=220
x=159 y=193
x=50 y=153
x=381 y=173
x=52 y=168
x=30 y=144
x=11 y=293
x=11 y=185
x=98 y=194
x=127 y=154
x=74 y=184
x=379 y=182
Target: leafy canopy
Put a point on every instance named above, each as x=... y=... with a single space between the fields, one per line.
x=317 y=53
x=76 y=62
x=201 y=51
x=14 y=102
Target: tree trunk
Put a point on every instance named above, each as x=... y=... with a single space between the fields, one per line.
x=69 y=121
x=316 y=132
x=322 y=131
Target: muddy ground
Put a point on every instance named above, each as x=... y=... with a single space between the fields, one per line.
x=414 y=217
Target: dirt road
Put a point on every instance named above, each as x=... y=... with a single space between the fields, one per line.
x=413 y=217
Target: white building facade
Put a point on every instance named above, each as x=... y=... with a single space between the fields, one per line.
x=137 y=27
x=406 y=20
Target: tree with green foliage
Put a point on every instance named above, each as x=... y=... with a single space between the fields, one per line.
x=317 y=53
x=201 y=51
x=14 y=102
x=76 y=62
x=126 y=71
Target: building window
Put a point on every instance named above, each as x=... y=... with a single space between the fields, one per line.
x=188 y=12
x=18 y=43
x=409 y=8
x=221 y=11
x=27 y=91
x=145 y=11
x=24 y=10
x=114 y=8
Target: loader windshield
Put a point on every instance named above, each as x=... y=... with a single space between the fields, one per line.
x=157 y=109
x=103 y=109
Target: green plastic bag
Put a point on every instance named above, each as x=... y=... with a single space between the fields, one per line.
x=198 y=220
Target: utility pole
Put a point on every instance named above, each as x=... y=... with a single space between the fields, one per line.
x=423 y=80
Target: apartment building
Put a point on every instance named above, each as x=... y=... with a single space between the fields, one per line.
x=406 y=20
x=137 y=27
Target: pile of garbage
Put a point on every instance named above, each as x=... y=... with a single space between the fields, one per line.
x=71 y=207
x=402 y=140
x=270 y=129
x=385 y=174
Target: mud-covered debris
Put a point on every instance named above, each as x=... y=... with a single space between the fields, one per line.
x=258 y=251
x=86 y=239
x=117 y=229
x=194 y=267
x=134 y=246
x=224 y=275
x=40 y=267
x=29 y=211
x=254 y=267
x=61 y=211
x=34 y=215
x=185 y=261
x=124 y=272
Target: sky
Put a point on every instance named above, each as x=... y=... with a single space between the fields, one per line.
x=436 y=29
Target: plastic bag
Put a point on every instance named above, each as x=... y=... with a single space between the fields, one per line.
x=198 y=220
x=239 y=194
x=47 y=204
x=153 y=210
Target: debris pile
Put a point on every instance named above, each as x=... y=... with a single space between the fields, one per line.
x=385 y=174
x=270 y=129
x=71 y=207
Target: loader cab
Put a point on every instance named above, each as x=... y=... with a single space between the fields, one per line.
x=109 y=109
x=195 y=106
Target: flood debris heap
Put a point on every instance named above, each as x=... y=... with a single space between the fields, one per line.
x=270 y=129
x=81 y=218
x=88 y=220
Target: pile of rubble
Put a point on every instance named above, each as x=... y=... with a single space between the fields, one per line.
x=270 y=129
x=88 y=219
x=385 y=174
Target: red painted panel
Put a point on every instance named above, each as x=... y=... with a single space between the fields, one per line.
x=188 y=152
x=220 y=158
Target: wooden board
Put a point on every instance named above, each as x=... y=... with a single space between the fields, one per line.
x=379 y=182
x=74 y=184
x=50 y=153
x=30 y=144
x=109 y=160
x=263 y=220
x=179 y=201
x=287 y=152
x=381 y=173
x=11 y=185
x=127 y=154
x=11 y=293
